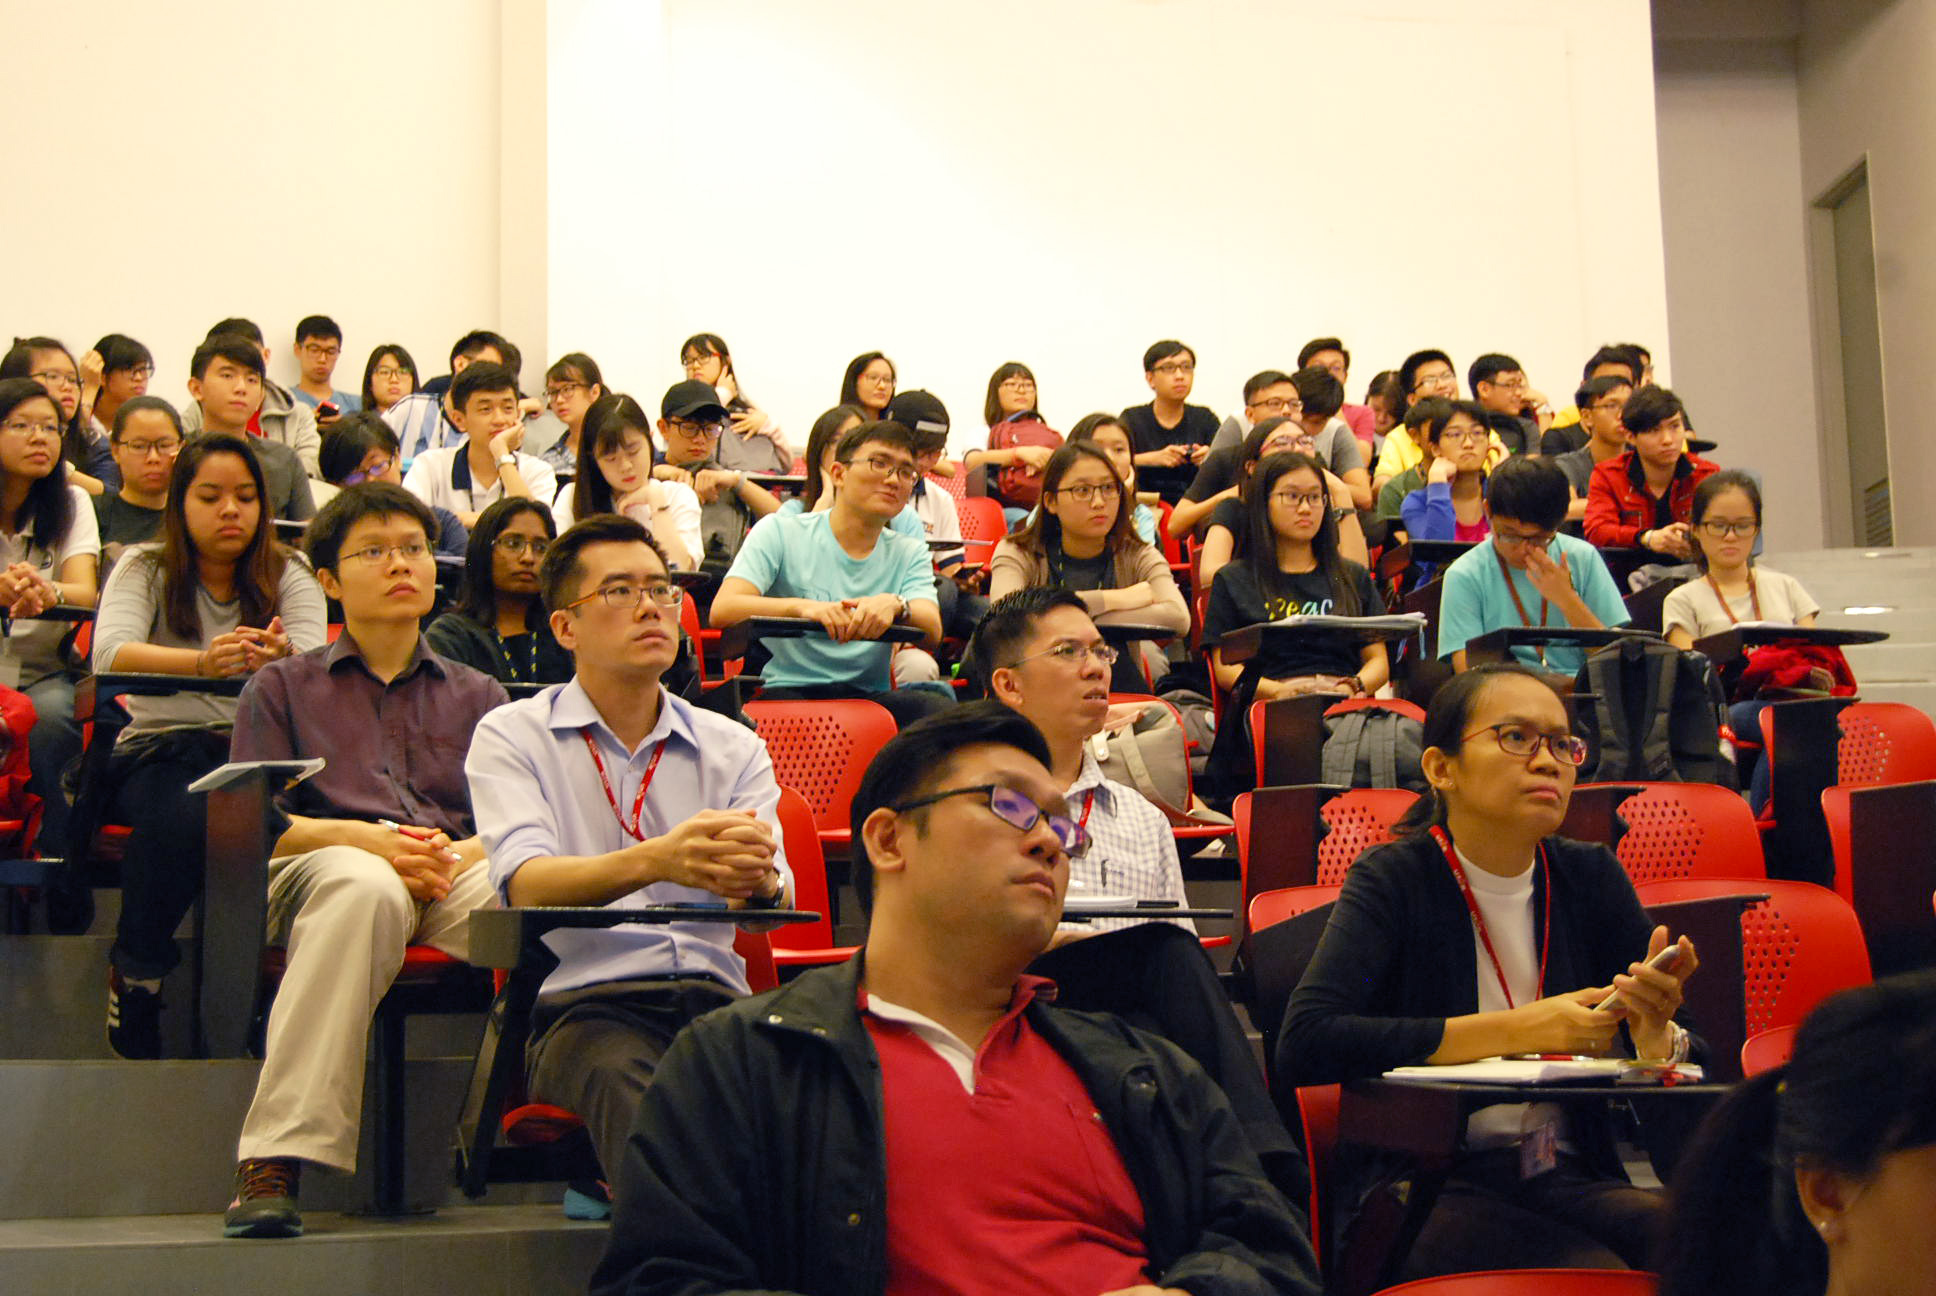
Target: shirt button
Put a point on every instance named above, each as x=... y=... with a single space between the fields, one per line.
x=773 y=1019
x=820 y=1031
x=853 y=1220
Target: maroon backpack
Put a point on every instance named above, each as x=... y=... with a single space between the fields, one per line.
x=1019 y=484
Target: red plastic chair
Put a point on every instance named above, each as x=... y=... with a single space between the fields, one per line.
x=1688 y=830
x=982 y=526
x=1837 y=812
x=1533 y=1282
x=1884 y=742
x=1180 y=563
x=1799 y=946
x=821 y=749
x=1355 y=822
x=1269 y=907
x=1767 y=1049
x=805 y=944
x=956 y=485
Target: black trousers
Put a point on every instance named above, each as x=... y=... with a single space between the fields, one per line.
x=1157 y=977
x=1487 y=1217
x=164 y=861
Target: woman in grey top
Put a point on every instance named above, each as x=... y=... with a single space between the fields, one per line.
x=217 y=597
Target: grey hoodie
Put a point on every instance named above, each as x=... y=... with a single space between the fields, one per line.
x=283 y=418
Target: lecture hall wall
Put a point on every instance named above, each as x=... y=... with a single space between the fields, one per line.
x=1055 y=181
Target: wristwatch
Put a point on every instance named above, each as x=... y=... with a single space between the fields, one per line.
x=507 y=460
x=900 y=612
x=758 y=901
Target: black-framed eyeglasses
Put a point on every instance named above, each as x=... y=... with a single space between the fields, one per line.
x=1088 y=493
x=627 y=597
x=1521 y=741
x=516 y=545
x=1014 y=809
x=1720 y=530
x=562 y=390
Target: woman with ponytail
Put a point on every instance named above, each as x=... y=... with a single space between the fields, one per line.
x=1479 y=933
x=1819 y=1178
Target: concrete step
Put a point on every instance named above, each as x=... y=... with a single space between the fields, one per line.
x=158 y=1138
x=526 y=1250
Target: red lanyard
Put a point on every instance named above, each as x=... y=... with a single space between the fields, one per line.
x=1088 y=804
x=1505 y=574
x=1754 y=597
x=1479 y=919
x=632 y=829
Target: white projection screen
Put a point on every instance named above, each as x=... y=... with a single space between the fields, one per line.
x=1062 y=182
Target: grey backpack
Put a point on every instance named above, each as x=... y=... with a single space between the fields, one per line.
x=1373 y=742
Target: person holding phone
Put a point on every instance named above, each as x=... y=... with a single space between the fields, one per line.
x=1480 y=932
x=1171 y=436
x=319 y=345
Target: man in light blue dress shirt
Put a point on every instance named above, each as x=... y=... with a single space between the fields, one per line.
x=609 y=790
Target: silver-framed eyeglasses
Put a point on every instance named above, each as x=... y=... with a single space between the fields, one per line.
x=626 y=597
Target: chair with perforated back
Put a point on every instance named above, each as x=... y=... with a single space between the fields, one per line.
x=1884 y=742
x=1355 y=821
x=983 y=525
x=820 y=749
x=1688 y=830
x=1799 y=946
x=1533 y=1282
x=1768 y=1049
x=957 y=485
x=805 y=944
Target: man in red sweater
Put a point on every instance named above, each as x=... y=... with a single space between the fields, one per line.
x=1644 y=498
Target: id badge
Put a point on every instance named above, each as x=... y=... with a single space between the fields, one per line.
x=1539 y=1150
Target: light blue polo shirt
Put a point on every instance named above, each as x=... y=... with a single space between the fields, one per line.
x=796 y=556
x=907 y=522
x=1476 y=601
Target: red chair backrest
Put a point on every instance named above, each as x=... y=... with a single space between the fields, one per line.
x=982 y=526
x=1688 y=830
x=821 y=749
x=1533 y=1282
x=1837 y=813
x=1884 y=742
x=689 y=626
x=956 y=485
x=1767 y=1049
x=758 y=953
x=1799 y=946
x=809 y=867
x=1288 y=902
x=1317 y=1110
x=1356 y=821
x=1172 y=547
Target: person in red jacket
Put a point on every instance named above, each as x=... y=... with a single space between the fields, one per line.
x=1644 y=497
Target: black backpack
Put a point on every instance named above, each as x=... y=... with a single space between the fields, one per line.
x=1650 y=712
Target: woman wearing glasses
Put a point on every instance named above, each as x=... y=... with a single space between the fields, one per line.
x=1081 y=538
x=571 y=386
x=614 y=475
x=361 y=447
x=1726 y=518
x=388 y=376
x=1479 y=933
x=1019 y=442
x=90 y=461
x=115 y=372
x=1229 y=520
x=216 y=598
x=751 y=441
x=499 y=624
x=1451 y=503
x=868 y=383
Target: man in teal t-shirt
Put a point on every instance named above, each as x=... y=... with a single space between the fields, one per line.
x=1527 y=573
x=847 y=570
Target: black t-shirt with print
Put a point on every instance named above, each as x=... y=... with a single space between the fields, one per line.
x=1235 y=602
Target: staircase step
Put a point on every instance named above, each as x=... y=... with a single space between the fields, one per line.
x=529 y=1250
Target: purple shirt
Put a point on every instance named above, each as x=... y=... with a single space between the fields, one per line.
x=395 y=751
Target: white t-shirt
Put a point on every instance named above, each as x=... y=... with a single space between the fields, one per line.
x=1507 y=905
x=1695 y=608
x=32 y=651
x=442 y=479
x=681 y=513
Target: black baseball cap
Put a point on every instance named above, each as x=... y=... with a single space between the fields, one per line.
x=685 y=399
x=922 y=411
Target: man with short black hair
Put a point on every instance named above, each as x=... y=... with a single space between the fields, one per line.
x=1273 y=394
x=225 y=385
x=421 y=419
x=1329 y=353
x=1644 y=497
x=1599 y=402
x=1424 y=373
x=1513 y=410
x=691 y=422
x=379 y=852
x=319 y=345
x=844 y=569
x=1624 y=359
x=1170 y=436
x=819 y=1139
x=489 y=466
x=1527 y=573
x=277 y=417
x=554 y=779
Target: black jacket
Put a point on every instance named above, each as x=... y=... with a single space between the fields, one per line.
x=758 y=1163
x=462 y=639
x=1396 y=960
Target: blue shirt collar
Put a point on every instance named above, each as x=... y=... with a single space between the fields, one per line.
x=571 y=708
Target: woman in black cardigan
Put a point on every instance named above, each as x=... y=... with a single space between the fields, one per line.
x=1480 y=933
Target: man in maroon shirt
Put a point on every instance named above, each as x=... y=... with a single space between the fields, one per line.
x=380 y=849
x=922 y=1119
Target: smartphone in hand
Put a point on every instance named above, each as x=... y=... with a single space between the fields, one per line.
x=1666 y=961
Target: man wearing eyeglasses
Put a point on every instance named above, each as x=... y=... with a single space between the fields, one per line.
x=1644 y=498
x=1170 y=436
x=379 y=851
x=844 y=569
x=1514 y=410
x=1600 y=402
x=609 y=790
x=1527 y=573
x=923 y=1117
x=691 y=422
x=319 y=345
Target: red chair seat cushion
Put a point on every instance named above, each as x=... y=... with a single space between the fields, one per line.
x=537 y=1124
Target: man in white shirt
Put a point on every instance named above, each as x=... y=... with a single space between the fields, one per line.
x=1038 y=651
x=419 y=419
x=488 y=466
